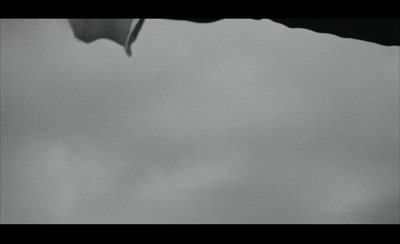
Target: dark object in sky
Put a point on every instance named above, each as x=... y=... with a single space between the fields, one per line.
x=125 y=31
x=122 y=31
x=381 y=31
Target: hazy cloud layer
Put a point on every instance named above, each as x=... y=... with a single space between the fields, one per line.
x=234 y=122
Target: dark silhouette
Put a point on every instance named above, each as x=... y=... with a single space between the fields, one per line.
x=125 y=31
x=381 y=31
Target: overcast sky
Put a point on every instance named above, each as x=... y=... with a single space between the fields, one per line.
x=238 y=121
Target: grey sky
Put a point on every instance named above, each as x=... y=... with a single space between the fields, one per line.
x=239 y=121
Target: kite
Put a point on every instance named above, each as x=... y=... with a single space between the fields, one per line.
x=126 y=31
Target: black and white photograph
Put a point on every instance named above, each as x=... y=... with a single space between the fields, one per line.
x=200 y=121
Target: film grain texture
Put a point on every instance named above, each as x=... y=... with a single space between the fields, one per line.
x=238 y=121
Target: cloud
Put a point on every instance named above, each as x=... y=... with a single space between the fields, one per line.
x=192 y=178
x=237 y=121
